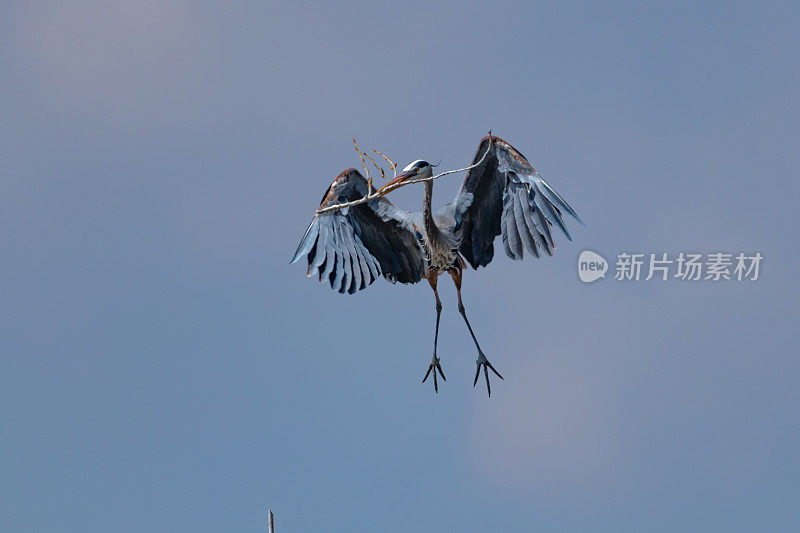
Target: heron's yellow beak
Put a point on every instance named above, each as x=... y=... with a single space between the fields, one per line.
x=403 y=177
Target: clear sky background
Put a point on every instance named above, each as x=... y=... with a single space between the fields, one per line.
x=163 y=367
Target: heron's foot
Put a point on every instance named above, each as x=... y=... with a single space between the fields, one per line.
x=483 y=362
x=434 y=366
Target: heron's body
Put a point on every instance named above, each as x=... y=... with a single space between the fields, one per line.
x=502 y=194
x=440 y=243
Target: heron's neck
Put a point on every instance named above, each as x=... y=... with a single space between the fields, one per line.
x=427 y=215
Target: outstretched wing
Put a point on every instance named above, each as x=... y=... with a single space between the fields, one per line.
x=504 y=194
x=351 y=247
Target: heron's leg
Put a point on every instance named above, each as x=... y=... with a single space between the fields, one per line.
x=433 y=279
x=482 y=360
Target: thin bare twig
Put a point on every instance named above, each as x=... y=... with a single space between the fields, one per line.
x=364 y=164
x=392 y=164
x=386 y=189
x=379 y=169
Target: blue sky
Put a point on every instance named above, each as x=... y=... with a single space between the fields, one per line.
x=163 y=368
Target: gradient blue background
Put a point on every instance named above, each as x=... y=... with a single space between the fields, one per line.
x=163 y=368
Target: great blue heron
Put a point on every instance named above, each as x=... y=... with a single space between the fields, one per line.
x=352 y=246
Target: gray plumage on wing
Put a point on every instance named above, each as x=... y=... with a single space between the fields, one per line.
x=351 y=247
x=510 y=198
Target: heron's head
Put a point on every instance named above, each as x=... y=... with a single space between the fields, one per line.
x=417 y=169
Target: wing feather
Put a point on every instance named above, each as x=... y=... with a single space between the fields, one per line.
x=506 y=238
x=520 y=201
x=514 y=243
x=555 y=198
x=330 y=258
x=356 y=263
x=545 y=213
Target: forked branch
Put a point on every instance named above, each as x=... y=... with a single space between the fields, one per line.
x=392 y=164
x=364 y=164
x=386 y=189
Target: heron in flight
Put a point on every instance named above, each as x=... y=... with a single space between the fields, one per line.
x=501 y=194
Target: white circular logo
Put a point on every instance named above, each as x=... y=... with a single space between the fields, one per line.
x=591 y=266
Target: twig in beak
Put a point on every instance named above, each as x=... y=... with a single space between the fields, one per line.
x=389 y=187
